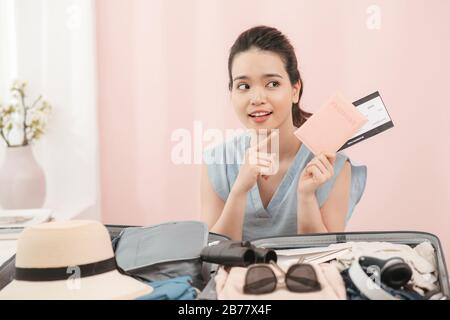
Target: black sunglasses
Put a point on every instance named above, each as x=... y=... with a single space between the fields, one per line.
x=300 y=277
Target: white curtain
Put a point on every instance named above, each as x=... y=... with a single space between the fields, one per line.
x=51 y=45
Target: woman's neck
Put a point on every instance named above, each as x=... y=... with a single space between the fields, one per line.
x=288 y=143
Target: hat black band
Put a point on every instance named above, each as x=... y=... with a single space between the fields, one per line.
x=65 y=273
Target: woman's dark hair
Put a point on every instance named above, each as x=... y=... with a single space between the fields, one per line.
x=270 y=39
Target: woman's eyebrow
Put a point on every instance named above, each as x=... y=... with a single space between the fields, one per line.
x=267 y=75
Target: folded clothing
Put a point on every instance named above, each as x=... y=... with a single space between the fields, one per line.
x=179 y=288
x=421 y=259
x=229 y=285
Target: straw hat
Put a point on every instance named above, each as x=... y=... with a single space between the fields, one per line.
x=69 y=260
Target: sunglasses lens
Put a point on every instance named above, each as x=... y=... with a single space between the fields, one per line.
x=260 y=280
x=302 y=278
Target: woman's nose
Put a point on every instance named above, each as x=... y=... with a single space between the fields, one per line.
x=257 y=97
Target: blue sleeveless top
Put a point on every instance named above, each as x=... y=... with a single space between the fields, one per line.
x=280 y=217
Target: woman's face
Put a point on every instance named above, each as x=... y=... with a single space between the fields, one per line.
x=262 y=94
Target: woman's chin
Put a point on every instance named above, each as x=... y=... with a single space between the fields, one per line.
x=268 y=124
x=260 y=127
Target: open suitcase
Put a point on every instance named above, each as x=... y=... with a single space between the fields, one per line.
x=208 y=292
x=410 y=238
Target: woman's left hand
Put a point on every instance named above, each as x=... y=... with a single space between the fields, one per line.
x=319 y=170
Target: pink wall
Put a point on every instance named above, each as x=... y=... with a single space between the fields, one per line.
x=162 y=65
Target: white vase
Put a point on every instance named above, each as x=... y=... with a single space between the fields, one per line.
x=22 y=180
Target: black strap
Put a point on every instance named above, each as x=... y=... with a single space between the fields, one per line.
x=64 y=273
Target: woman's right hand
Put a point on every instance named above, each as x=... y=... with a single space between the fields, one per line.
x=255 y=164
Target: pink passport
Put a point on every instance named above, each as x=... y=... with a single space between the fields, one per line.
x=331 y=126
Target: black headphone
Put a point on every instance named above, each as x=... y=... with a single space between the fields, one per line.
x=394 y=272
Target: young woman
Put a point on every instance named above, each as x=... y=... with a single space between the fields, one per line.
x=307 y=194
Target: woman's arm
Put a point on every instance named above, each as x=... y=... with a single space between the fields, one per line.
x=331 y=217
x=224 y=218
x=228 y=218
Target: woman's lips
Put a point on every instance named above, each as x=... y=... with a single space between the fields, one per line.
x=259 y=119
